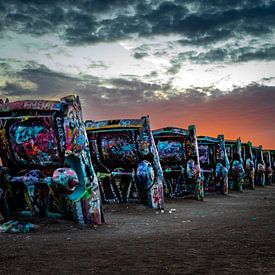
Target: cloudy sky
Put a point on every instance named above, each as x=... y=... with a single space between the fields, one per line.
x=209 y=63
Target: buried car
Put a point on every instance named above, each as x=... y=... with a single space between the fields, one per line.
x=46 y=166
x=126 y=161
x=214 y=163
x=260 y=167
x=268 y=164
x=249 y=167
x=178 y=153
x=272 y=155
x=236 y=172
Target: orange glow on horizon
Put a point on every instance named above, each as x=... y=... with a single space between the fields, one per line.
x=246 y=114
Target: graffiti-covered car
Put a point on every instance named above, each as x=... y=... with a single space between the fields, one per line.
x=249 y=165
x=46 y=166
x=126 y=161
x=178 y=153
x=260 y=167
x=214 y=163
x=236 y=172
x=268 y=170
x=272 y=156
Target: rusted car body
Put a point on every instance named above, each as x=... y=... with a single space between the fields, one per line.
x=178 y=153
x=214 y=163
x=236 y=172
x=260 y=167
x=249 y=165
x=126 y=161
x=46 y=166
x=268 y=170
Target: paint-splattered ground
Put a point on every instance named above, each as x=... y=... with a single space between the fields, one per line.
x=222 y=235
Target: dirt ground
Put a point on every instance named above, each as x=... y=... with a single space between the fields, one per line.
x=222 y=235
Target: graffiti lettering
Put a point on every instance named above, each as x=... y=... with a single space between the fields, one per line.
x=61 y=134
x=40 y=105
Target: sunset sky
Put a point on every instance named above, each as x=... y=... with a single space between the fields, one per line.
x=209 y=63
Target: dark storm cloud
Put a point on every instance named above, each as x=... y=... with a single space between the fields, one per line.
x=106 y=92
x=81 y=22
x=223 y=55
x=46 y=83
x=209 y=37
x=14 y=89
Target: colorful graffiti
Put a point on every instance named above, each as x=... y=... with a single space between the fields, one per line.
x=34 y=142
x=214 y=163
x=39 y=105
x=260 y=167
x=250 y=170
x=47 y=170
x=46 y=167
x=221 y=175
x=223 y=166
x=177 y=149
x=268 y=164
x=119 y=148
x=192 y=152
x=170 y=151
x=237 y=172
x=126 y=161
x=249 y=167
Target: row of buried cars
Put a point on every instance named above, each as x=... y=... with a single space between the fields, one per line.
x=56 y=165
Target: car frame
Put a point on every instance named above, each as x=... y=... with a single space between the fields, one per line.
x=46 y=166
x=126 y=161
x=249 y=167
x=268 y=169
x=178 y=152
x=236 y=172
x=260 y=167
x=272 y=155
x=214 y=163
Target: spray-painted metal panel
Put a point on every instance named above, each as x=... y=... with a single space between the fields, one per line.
x=46 y=166
x=214 y=163
x=268 y=170
x=126 y=161
x=178 y=152
x=272 y=156
x=260 y=167
x=236 y=172
x=249 y=165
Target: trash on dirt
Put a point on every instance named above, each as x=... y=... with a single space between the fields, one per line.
x=172 y=210
x=17 y=227
x=162 y=211
x=253 y=218
x=186 y=221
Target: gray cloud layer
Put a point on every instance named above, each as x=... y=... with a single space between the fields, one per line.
x=93 y=21
x=197 y=23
